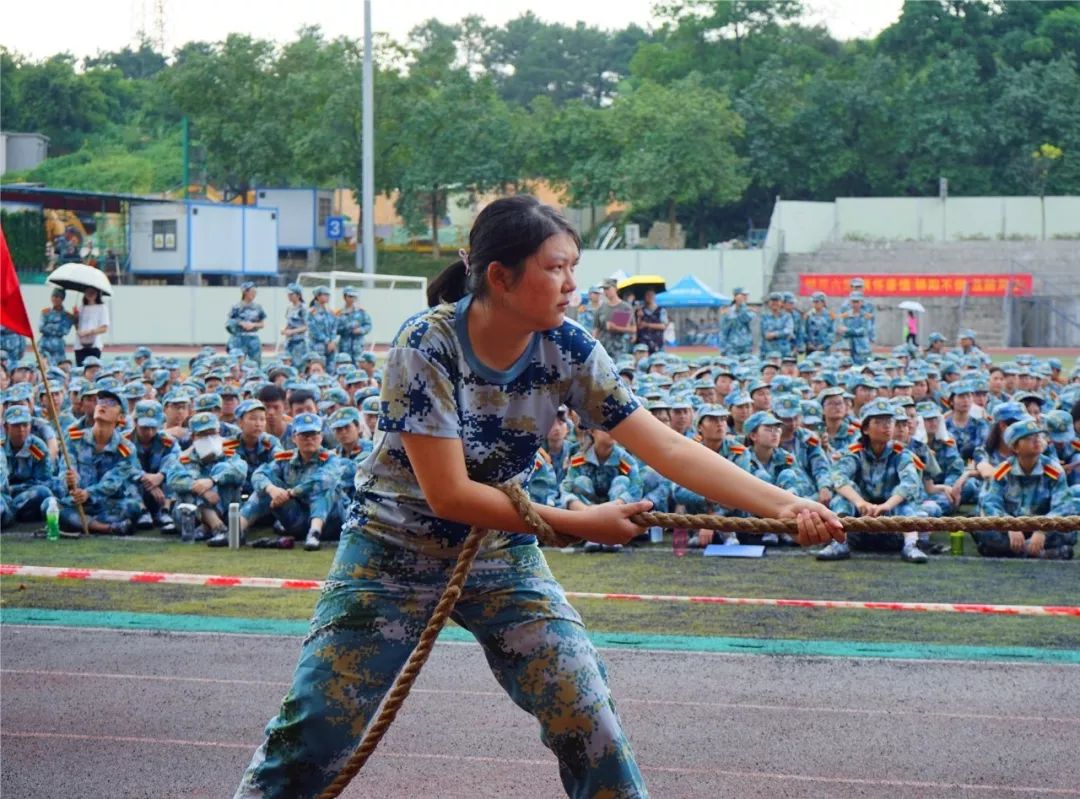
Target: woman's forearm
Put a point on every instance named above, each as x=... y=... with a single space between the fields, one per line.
x=480 y=504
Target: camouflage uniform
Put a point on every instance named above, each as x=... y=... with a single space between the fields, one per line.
x=783 y=324
x=352 y=327
x=263 y=451
x=322 y=329
x=106 y=475
x=969 y=436
x=591 y=482
x=396 y=555
x=857 y=333
x=30 y=479
x=876 y=478
x=245 y=340
x=820 y=330
x=314 y=485
x=296 y=344
x=736 y=330
x=227 y=471
x=13 y=346
x=1014 y=492
x=54 y=327
x=543 y=484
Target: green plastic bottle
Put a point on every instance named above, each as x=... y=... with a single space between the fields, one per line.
x=52 y=520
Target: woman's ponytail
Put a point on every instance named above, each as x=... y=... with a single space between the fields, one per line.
x=449 y=285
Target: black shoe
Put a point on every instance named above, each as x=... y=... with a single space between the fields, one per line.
x=312 y=542
x=164 y=522
x=121 y=528
x=202 y=534
x=220 y=539
x=145 y=521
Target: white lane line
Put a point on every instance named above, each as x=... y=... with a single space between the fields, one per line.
x=855 y=711
x=550 y=763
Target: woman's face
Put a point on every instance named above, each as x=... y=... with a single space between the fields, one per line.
x=768 y=435
x=1030 y=446
x=879 y=429
x=91 y=294
x=540 y=298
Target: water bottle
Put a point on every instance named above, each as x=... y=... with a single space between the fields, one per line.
x=956 y=542
x=234 y=525
x=656 y=535
x=679 y=539
x=186 y=513
x=52 y=520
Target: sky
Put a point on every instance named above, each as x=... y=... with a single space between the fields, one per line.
x=106 y=25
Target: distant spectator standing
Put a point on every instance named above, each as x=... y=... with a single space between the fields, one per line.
x=911 y=325
x=246 y=319
x=736 y=334
x=615 y=337
x=652 y=321
x=295 y=330
x=353 y=325
x=93 y=324
x=322 y=324
x=55 y=324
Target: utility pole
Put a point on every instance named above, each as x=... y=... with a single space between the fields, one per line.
x=367 y=212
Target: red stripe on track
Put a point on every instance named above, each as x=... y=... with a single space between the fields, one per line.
x=148 y=577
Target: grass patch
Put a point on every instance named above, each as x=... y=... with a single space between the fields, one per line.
x=787 y=574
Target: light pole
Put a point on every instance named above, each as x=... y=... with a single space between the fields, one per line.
x=367 y=211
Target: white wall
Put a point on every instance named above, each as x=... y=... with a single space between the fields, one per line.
x=191 y=315
x=144 y=258
x=805 y=226
x=296 y=215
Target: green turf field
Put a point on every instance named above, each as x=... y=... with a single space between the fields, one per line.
x=786 y=574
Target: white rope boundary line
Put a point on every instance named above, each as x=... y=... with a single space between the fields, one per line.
x=224 y=581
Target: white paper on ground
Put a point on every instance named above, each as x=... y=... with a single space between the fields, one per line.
x=735 y=550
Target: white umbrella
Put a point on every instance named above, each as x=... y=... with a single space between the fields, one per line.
x=77 y=277
x=911 y=305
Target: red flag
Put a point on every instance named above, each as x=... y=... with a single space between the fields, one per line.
x=12 y=309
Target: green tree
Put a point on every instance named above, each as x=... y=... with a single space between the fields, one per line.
x=454 y=137
x=144 y=62
x=678 y=146
x=50 y=97
x=232 y=95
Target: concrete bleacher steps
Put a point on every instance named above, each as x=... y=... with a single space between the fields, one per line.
x=1051 y=317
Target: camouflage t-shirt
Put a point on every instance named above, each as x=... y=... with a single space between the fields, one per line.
x=434 y=385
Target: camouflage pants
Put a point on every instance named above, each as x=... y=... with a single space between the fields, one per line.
x=250 y=344
x=108 y=512
x=995 y=543
x=296 y=348
x=353 y=345
x=28 y=504
x=294 y=516
x=52 y=348
x=377 y=599
x=876 y=542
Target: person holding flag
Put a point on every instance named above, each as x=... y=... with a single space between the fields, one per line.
x=13 y=318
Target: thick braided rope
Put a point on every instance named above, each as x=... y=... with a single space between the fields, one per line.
x=881 y=524
x=404 y=681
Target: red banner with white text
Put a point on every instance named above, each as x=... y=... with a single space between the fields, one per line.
x=918 y=285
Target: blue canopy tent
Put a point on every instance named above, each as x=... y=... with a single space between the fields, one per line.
x=682 y=300
x=691 y=293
